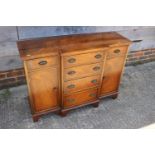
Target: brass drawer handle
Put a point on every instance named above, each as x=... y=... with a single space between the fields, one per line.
x=98 y=56
x=94 y=81
x=72 y=60
x=70 y=100
x=42 y=62
x=71 y=72
x=71 y=86
x=96 y=68
x=117 y=51
x=92 y=95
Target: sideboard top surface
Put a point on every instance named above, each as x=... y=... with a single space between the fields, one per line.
x=32 y=48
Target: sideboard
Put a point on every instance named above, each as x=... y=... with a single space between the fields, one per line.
x=67 y=72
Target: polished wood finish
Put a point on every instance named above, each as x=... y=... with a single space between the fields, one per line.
x=112 y=74
x=81 y=84
x=84 y=58
x=42 y=62
x=116 y=52
x=44 y=92
x=82 y=71
x=70 y=43
x=44 y=88
x=64 y=111
x=67 y=72
x=80 y=98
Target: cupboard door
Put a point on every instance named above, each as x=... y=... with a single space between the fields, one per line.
x=112 y=74
x=44 y=89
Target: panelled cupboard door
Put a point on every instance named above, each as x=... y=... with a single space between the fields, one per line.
x=44 y=89
x=111 y=78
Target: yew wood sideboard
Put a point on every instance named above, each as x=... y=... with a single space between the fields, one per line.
x=67 y=72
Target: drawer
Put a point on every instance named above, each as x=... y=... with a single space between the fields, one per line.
x=41 y=62
x=80 y=98
x=85 y=58
x=81 y=84
x=82 y=71
x=115 y=52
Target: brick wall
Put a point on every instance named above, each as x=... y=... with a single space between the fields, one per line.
x=139 y=57
x=16 y=77
x=12 y=78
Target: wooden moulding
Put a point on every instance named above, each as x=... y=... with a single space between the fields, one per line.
x=63 y=112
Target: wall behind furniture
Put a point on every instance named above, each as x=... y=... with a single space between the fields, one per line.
x=144 y=38
x=11 y=67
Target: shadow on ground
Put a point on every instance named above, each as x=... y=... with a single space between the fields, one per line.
x=134 y=108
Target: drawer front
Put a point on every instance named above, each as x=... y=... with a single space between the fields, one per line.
x=41 y=62
x=80 y=98
x=117 y=51
x=81 y=84
x=82 y=71
x=85 y=58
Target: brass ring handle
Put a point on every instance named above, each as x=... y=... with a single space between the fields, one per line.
x=117 y=51
x=96 y=68
x=71 y=100
x=42 y=62
x=71 y=86
x=72 y=60
x=94 y=81
x=71 y=72
x=98 y=56
x=92 y=95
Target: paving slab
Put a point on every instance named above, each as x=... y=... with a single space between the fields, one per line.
x=134 y=108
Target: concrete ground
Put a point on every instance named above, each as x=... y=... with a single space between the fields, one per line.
x=134 y=108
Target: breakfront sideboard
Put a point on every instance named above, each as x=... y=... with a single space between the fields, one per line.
x=67 y=72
